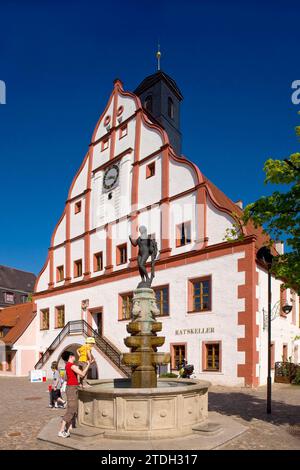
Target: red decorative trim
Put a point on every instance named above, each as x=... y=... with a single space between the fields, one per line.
x=115 y=160
x=247 y=317
x=135 y=185
x=210 y=252
x=87 y=255
x=165 y=207
x=68 y=244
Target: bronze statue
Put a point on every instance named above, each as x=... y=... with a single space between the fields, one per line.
x=147 y=247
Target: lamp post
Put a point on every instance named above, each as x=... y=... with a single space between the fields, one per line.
x=265 y=256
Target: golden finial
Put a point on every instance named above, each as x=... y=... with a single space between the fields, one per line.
x=158 y=56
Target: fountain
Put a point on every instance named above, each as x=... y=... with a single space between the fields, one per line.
x=143 y=407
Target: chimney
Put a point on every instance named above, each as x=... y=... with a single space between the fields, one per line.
x=279 y=247
x=239 y=203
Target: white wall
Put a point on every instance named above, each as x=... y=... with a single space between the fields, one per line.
x=217 y=224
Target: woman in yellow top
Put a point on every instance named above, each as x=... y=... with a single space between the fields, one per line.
x=85 y=356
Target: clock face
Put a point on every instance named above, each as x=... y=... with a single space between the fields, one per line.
x=110 y=177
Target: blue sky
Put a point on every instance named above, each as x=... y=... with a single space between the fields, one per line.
x=233 y=61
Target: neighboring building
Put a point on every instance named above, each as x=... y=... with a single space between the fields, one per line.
x=15 y=286
x=18 y=352
x=211 y=293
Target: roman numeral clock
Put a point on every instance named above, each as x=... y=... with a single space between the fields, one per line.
x=111 y=178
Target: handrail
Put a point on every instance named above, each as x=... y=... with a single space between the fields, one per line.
x=81 y=326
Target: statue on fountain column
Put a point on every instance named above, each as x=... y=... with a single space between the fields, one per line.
x=147 y=247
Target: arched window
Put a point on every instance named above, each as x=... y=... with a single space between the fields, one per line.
x=148 y=103
x=170 y=108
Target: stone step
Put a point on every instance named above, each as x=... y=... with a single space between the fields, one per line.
x=86 y=432
x=208 y=428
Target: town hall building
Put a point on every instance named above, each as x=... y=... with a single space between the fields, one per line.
x=211 y=293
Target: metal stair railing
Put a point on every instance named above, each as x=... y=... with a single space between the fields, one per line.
x=81 y=326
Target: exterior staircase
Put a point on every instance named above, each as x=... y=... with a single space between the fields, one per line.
x=82 y=327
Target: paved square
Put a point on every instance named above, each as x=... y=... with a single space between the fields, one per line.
x=24 y=412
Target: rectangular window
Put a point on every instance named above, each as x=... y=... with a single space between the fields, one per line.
x=24 y=298
x=178 y=355
x=284 y=353
x=104 y=144
x=122 y=254
x=44 y=319
x=78 y=268
x=183 y=234
x=123 y=131
x=98 y=261
x=59 y=273
x=150 y=170
x=162 y=300
x=212 y=357
x=272 y=355
x=77 y=207
x=199 y=294
x=9 y=297
x=125 y=306
x=60 y=316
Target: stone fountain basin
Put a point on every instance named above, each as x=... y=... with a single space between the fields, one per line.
x=172 y=409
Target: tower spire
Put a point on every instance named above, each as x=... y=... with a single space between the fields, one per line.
x=158 y=56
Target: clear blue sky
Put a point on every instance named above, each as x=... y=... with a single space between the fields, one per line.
x=234 y=62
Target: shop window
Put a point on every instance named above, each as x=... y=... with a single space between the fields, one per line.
x=60 y=316
x=183 y=234
x=44 y=319
x=178 y=355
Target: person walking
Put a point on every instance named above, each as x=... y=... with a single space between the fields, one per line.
x=56 y=400
x=72 y=371
x=85 y=355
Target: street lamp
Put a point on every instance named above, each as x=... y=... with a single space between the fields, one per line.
x=265 y=256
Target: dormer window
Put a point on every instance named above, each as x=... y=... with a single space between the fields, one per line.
x=170 y=108
x=148 y=103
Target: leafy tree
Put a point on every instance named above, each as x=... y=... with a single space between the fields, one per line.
x=279 y=215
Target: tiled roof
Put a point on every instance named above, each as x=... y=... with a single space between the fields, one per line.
x=18 y=318
x=16 y=279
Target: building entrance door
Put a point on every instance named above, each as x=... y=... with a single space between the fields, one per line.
x=97 y=317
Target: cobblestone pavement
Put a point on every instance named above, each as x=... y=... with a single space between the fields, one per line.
x=24 y=411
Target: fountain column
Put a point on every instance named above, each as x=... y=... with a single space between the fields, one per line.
x=143 y=342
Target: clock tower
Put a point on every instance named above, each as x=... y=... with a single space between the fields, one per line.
x=161 y=98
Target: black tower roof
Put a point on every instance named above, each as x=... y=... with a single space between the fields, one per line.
x=151 y=80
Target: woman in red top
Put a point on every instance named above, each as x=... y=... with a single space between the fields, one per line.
x=71 y=391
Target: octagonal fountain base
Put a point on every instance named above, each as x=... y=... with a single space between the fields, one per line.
x=172 y=409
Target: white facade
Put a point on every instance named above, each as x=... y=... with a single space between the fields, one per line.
x=175 y=193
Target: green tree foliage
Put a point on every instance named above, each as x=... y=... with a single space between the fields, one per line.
x=279 y=215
